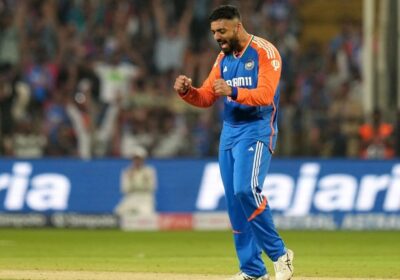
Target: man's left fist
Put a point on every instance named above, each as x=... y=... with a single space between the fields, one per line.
x=220 y=87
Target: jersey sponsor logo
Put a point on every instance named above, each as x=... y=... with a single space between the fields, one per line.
x=225 y=69
x=240 y=82
x=310 y=192
x=42 y=192
x=249 y=65
x=275 y=64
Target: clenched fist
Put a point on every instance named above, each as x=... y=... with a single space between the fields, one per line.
x=220 y=87
x=182 y=84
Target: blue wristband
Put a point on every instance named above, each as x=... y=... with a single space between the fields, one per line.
x=234 y=93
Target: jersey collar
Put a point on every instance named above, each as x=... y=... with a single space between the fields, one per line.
x=240 y=54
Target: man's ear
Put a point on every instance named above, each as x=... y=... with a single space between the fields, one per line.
x=239 y=24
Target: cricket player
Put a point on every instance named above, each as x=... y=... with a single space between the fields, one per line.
x=246 y=74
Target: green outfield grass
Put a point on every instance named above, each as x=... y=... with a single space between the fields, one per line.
x=317 y=254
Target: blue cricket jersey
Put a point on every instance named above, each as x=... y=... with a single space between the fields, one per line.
x=251 y=111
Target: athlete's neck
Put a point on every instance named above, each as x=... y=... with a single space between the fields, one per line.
x=244 y=38
x=243 y=42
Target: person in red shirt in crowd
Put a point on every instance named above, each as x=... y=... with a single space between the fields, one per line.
x=376 y=138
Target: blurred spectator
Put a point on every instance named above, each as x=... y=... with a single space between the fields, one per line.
x=136 y=130
x=6 y=100
x=202 y=135
x=201 y=48
x=61 y=136
x=138 y=184
x=173 y=31
x=346 y=48
x=337 y=142
x=40 y=75
x=376 y=138
x=26 y=141
x=9 y=38
x=347 y=112
x=78 y=111
x=172 y=139
x=116 y=77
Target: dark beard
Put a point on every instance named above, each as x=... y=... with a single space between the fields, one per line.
x=233 y=46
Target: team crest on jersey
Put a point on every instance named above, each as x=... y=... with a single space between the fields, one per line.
x=275 y=64
x=249 y=64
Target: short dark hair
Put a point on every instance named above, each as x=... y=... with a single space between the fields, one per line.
x=224 y=12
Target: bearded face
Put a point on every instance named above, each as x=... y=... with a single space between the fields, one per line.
x=229 y=45
x=225 y=32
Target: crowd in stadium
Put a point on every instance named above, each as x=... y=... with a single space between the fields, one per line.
x=95 y=79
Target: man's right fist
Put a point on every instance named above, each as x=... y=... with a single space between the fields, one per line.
x=182 y=84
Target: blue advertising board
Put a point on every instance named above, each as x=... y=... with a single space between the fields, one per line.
x=332 y=193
